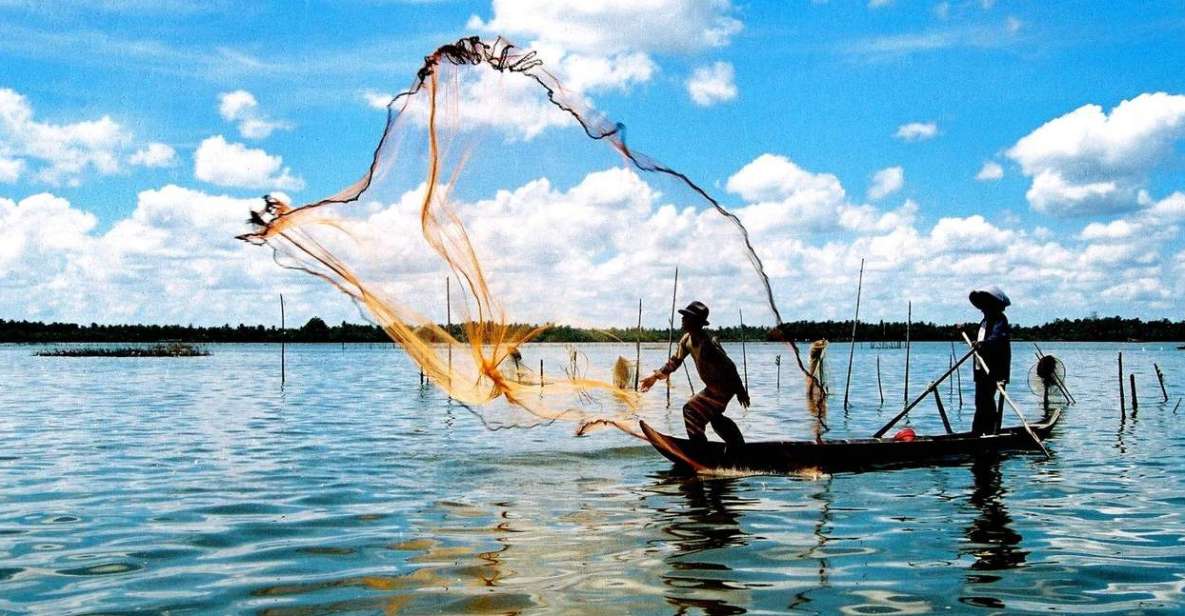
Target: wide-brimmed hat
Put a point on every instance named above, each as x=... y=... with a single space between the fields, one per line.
x=989 y=297
x=697 y=311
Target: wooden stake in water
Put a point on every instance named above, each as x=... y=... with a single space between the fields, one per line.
x=852 y=347
x=638 y=347
x=778 y=363
x=908 y=322
x=958 y=376
x=744 y=355
x=283 y=335
x=1135 y=401
x=1160 y=378
x=671 y=330
x=1122 y=403
x=448 y=322
x=879 y=389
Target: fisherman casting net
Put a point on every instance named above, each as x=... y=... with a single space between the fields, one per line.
x=435 y=202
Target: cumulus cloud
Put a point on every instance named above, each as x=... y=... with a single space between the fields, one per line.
x=613 y=27
x=235 y=165
x=1090 y=162
x=63 y=153
x=241 y=108
x=712 y=84
x=916 y=131
x=886 y=182
x=11 y=169
x=174 y=258
x=154 y=155
x=598 y=47
x=990 y=171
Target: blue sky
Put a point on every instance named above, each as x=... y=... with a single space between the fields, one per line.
x=831 y=88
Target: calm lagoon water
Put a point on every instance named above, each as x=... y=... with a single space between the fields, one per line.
x=197 y=485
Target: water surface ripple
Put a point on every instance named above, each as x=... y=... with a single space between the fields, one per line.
x=198 y=485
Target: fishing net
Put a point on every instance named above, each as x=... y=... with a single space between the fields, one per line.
x=439 y=199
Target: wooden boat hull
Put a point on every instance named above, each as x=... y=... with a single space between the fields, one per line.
x=845 y=454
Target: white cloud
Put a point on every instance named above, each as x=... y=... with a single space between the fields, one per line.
x=916 y=131
x=11 y=170
x=594 y=47
x=67 y=152
x=771 y=176
x=235 y=165
x=175 y=260
x=886 y=182
x=665 y=26
x=241 y=107
x=376 y=99
x=154 y=155
x=712 y=84
x=990 y=171
x=1013 y=25
x=876 y=4
x=1088 y=161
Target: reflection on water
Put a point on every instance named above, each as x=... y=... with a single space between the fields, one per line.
x=186 y=487
x=996 y=544
x=707 y=522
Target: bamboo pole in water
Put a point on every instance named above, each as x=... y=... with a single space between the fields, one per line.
x=671 y=330
x=448 y=322
x=1135 y=401
x=958 y=375
x=908 y=322
x=852 y=347
x=879 y=389
x=744 y=355
x=638 y=347
x=1122 y=402
x=1160 y=378
x=950 y=362
x=283 y=335
x=942 y=410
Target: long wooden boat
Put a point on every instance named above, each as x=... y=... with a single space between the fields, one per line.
x=842 y=454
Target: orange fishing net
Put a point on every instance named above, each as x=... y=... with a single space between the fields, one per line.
x=407 y=221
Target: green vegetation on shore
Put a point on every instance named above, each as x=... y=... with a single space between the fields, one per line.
x=316 y=330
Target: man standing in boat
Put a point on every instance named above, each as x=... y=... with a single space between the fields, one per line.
x=994 y=346
x=716 y=370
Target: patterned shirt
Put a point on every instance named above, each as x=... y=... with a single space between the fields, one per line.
x=715 y=368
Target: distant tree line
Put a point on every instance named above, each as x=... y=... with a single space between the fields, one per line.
x=316 y=330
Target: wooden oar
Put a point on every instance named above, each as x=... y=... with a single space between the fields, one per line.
x=1000 y=388
x=922 y=396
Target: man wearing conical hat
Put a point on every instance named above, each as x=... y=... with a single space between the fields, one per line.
x=994 y=346
x=716 y=370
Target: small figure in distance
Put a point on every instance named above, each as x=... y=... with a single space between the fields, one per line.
x=716 y=370
x=994 y=346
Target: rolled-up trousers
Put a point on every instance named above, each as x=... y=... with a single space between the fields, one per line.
x=707 y=407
